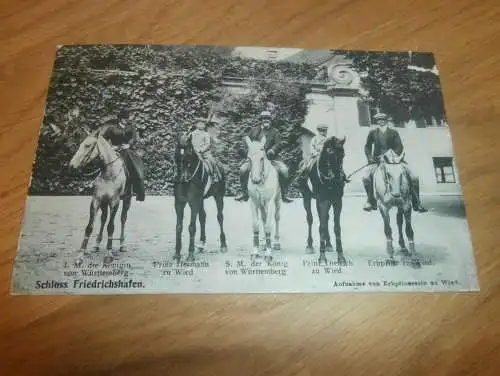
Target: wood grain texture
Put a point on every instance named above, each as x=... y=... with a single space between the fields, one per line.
x=340 y=334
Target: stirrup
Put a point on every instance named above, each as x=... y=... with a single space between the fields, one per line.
x=419 y=209
x=369 y=206
x=243 y=197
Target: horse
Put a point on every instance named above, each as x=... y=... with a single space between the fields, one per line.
x=192 y=187
x=110 y=187
x=392 y=188
x=325 y=183
x=265 y=197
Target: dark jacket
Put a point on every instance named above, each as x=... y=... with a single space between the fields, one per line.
x=273 y=139
x=117 y=135
x=377 y=143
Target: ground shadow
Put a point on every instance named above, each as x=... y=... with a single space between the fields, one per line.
x=445 y=206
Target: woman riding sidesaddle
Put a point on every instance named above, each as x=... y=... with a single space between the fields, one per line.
x=122 y=136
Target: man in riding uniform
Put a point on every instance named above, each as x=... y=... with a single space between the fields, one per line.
x=316 y=147
x=202 y=144
x=122 y=136
x=272 y=148
x=380 y=140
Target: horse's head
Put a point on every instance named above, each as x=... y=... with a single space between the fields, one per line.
x=86 y=153
x=257 y=157
x=333 y=153
x=185 y=156
x=395 y=176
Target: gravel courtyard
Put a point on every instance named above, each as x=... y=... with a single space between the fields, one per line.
x=53 y=231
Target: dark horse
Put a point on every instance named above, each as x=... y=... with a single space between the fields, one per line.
x=325 y=183
x=193 y=186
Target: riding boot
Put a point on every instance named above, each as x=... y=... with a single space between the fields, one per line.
x=370 y=204
x=284 y=189
x=417 y=206
x=244 y=187
x=140 y=190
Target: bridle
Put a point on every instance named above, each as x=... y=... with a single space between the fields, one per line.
x=387 y=184
x=329 y=178
x=88 y=158
x=263 y=174
x=195 y=170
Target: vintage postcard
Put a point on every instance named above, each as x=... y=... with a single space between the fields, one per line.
x=166 y=169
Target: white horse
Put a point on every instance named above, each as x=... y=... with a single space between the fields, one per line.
x=110 y=187
x=392 y=188
x=265 y=197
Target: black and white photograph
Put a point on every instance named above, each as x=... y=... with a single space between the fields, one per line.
x=164 y=169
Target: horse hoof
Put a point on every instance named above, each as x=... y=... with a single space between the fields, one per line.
x=329 y=248
x=322 y=259
x=391 y=262
x=277 y=246
x=341 y=260
x=415 y=263
x=268 y=258
x=123 y=248
x=108 y=259
x=412 y=247
x=190 y=258
x=404 y=252
x=177 y=258
x=201 y=247
x=78 y=262
x=223 y=249
x=309 y=250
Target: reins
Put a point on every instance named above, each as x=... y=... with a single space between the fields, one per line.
x=263 y=171
x=95 y=172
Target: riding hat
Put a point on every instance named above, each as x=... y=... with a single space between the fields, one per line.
x=265 y=115
x=320 y=127
x=379 y=116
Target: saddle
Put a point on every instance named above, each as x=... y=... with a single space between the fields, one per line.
x=128 y=176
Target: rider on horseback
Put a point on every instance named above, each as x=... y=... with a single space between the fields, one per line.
x=202 y=144
x=380 y=140
x=122 y=136
x=272 y=147
x=316 y=147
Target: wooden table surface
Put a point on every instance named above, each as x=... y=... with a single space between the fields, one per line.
x=339 y=334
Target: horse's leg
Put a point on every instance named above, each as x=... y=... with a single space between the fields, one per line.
x=203 y=219
x=219 y=202
x=111 y=229
x=195 y=209
x=337 y=210
x=309 y=217
x=267 y=215
x=94 y=204
x=410 y=235
x=322 y=206
x=255 y=228
x=387 y=230
x=123 y=218
x=277 y=216
x=179 y=211
x=399 y=219
x=104 y=217
x=329 y=247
